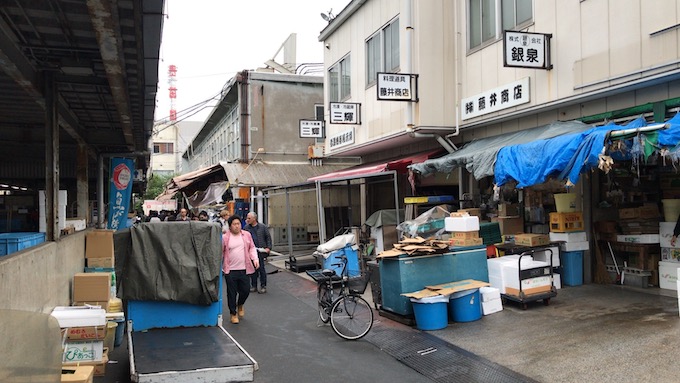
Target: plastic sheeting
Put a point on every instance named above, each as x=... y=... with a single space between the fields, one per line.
x=479 y=157
x=170 y=261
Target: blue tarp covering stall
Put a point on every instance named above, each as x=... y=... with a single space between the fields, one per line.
x=560 y=150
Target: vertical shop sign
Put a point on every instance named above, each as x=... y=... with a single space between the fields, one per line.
x=119 y=192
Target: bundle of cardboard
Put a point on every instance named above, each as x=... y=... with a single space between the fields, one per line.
x=416 y=246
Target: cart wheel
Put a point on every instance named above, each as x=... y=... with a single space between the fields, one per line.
x=546 y=302
x=524 y=306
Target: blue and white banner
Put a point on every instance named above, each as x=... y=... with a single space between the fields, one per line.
x=122 y=170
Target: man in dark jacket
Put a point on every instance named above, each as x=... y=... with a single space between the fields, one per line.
x=263 y=242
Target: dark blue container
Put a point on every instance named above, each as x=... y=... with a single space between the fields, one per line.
x=572 y=264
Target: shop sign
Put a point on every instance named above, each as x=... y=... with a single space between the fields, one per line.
x=345 y=113
x=506 y=96
x=341 y=139
x=397 y=87
x=526 y=50
x=311 y=129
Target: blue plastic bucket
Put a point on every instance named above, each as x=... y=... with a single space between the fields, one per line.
x=430 y=313
x=120 y=331
x=465 y=306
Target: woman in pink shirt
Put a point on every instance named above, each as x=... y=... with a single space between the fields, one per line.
x=239 y=260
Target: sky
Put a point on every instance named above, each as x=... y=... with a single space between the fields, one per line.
x=211 y=40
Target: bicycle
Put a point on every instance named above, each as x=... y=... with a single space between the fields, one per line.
x=349 y=314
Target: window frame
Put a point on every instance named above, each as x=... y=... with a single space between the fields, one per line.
x=498 y=7
x=343 y=86
x=380 y=65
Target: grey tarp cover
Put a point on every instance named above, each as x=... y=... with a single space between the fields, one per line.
x=170 y=261
x=385 y=217
x=479 y=156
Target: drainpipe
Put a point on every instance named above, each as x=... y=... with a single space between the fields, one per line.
x=407 y=65
x=244 y=103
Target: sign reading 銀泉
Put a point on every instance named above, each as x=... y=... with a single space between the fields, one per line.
x=397 y=86
x=506 y=96
x=311 y=128
x=526 y=50
x=341 y=139
x=345 y=113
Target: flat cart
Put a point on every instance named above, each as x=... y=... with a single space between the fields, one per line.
x=525 y=294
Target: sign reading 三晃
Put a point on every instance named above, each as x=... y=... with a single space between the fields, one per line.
x=506 y=96
x=341 y=139
x=397 y=86
x=345 y=113
x=311 y=128
x=526 y=50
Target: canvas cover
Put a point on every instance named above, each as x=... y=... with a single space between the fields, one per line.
x=169 y=261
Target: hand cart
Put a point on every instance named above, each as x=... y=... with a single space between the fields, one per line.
x=535 y=272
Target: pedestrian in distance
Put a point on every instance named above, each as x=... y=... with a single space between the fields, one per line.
x=224 y=215
x=239 y=261
x=263 y=243
x=183 y=215
x=203 y=216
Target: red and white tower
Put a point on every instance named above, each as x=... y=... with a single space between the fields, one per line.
x=172 y=79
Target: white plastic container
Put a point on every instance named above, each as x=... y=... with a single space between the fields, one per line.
x=577 y=236
x=668 y=275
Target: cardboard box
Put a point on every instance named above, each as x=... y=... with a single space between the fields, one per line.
x=99 y=367
x=103 y=305
x=473 y=212
x=77 y=374
x=638 y=238
x=467 y=241
x=100 y=262
x=649 y=211
x=628 y=213
x=99 y=244
x=532 y=239
x=605 y=227
x=84 y=333
x=508 y=210
x=89 y=287
x=466 y=234
x=83 y=351
x=509 y=225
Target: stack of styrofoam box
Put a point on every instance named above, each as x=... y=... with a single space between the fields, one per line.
x=670 y=257
x=491 y=300
x=543 y=255
x=504 y=275
x=461 y=223
x=574 y=241
x=42 y=203
x=89 y=322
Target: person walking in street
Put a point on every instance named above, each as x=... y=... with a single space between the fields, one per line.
x=239 y=261
x=263 y=242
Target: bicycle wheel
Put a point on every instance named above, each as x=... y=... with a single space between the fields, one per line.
x=324 y=297
x=351 y=317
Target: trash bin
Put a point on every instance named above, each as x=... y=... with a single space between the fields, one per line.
x=465 y=306
x=431 y=312
x=120 y=331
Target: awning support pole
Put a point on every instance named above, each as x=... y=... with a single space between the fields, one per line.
x=290 y=228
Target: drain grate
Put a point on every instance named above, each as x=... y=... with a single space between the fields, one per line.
x=438 y=359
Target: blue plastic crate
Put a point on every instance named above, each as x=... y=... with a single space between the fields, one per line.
x=13 y=242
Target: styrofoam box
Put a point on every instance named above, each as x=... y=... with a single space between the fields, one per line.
x=666 y=233
x=557 y=281
x=668 y=275
x=575 y=246
x=489 y=293
x=470 y=223
x=496 y=266
x=638 y=238
x=79 y=316
x=497 y=283
x=542 y=255
x=511 y=275
x=78 y=224
x=492 y=306
x=577 y=236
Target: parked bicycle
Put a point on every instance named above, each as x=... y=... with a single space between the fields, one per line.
x=349 y=314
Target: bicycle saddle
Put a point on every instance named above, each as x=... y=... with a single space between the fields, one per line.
x=328 y=272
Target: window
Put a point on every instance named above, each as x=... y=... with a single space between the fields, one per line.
x=382 y=52
x=485 y=25
x=163 y=148
x=339 y=79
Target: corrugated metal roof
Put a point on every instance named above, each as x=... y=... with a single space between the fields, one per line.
x=267 y=175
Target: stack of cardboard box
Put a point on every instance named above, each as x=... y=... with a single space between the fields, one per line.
x=83 y=331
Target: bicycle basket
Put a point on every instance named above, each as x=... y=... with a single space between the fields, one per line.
x=358 y=283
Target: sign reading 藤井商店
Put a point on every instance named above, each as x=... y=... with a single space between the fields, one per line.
x=345 y=113
x=396 y=86
x=506 y=96
x=526 y=50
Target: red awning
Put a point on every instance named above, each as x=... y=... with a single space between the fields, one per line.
x=399 y=165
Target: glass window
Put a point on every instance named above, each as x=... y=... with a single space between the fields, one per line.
x=340 y=81
x=484 y=23
x=382 y=52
